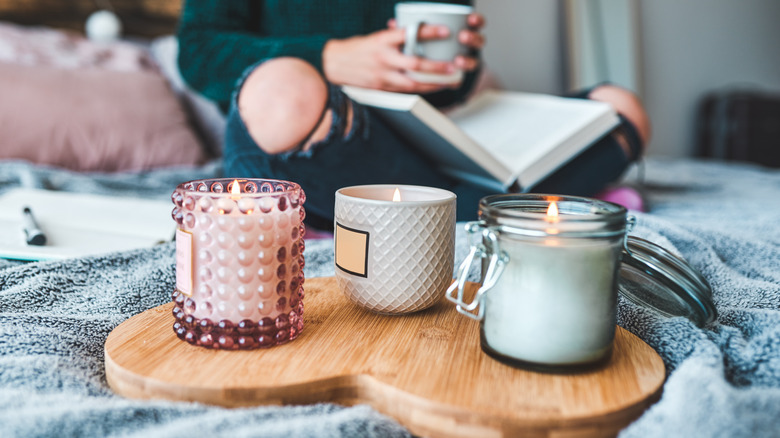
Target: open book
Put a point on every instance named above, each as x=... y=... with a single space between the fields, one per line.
x=498 y=139
x=80 y=224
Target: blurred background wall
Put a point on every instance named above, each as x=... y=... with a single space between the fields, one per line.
x=676 y=51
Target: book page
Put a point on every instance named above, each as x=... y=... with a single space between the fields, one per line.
x=521 y=128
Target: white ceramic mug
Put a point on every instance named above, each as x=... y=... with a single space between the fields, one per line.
x=412 y=15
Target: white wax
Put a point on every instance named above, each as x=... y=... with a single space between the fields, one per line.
x=554 y=304
x=243 y=263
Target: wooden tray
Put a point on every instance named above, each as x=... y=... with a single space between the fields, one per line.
x=425 y=369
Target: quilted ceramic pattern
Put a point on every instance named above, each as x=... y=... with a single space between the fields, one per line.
x=410 y=254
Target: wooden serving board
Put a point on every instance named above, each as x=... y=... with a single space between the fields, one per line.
x=425 y=369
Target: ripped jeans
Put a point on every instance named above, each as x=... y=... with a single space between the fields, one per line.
x=371 y=153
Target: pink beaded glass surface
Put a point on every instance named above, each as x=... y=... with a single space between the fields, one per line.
x=239 y=262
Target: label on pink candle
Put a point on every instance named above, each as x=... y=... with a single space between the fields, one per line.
x=184 y=261
x=351 y=251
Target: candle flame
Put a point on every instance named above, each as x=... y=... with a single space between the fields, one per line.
x=397 y=195
x=552 y=217
x=235 y=190
x=552 y=210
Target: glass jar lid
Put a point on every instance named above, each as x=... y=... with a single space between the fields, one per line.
x=528 y=214
x=654 y=278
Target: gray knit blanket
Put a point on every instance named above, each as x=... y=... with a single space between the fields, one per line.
x=723 y=381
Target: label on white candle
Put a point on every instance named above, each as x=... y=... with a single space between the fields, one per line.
x=351 y=250
x=184 y=261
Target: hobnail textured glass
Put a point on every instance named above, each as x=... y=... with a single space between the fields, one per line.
x=410 y=252
x=239 y=262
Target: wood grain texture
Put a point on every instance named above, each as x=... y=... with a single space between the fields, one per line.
x=425 y=369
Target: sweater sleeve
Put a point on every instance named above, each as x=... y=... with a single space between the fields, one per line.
x=449 y=97
x=217 y=43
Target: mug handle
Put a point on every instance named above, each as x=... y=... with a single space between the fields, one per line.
x=410 y=43
x=487 y=248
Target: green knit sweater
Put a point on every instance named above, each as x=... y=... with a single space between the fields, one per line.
x=219 y=39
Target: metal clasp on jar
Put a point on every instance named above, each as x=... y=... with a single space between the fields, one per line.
x=486 y=247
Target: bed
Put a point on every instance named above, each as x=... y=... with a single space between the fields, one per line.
x=723 y=380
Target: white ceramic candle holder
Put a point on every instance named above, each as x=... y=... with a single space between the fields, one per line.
x=394 y=256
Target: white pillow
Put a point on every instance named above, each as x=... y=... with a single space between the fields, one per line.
x=206 y=114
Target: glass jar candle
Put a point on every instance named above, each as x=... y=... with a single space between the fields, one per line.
x=548 y=297
x=239 y=262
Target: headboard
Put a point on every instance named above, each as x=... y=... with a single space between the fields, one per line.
x=139 y=17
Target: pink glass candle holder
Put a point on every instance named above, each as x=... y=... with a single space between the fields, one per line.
x=239 y=262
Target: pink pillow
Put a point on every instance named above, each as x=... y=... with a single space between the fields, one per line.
x=87 y=119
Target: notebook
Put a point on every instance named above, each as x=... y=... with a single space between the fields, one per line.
x=79 y=224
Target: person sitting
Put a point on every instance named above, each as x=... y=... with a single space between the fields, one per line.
x=276 y=67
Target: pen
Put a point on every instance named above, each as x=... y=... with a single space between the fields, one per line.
x=32 y=231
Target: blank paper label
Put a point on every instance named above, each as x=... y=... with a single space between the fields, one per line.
x=352 y=250
x=184 y=262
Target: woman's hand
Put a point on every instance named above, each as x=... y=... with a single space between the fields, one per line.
x=473 y=39
x=376 y=61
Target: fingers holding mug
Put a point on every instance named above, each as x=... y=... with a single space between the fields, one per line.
x=476 y=21
x=473 y=39
x=438 y=39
